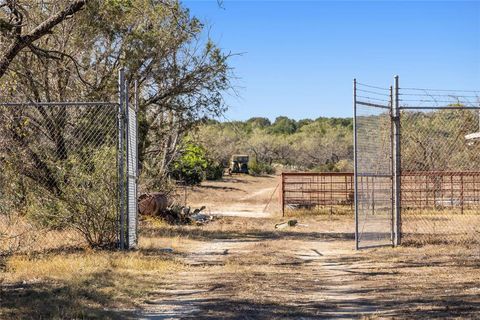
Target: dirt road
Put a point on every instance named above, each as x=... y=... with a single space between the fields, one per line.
x=241 y=267
x=238 y=195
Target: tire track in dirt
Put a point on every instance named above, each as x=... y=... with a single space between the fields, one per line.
x=326 y=286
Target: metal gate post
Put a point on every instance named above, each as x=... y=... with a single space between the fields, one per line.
x=392 y=171
x=127 y=162
x=355 y=180
x=282 y=194
x=135 y=97
x=397 y=164
x=131 y=133
x=121 y=155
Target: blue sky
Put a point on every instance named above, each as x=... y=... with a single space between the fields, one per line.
x=299 y=58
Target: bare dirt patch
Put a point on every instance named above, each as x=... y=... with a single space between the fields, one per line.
x=237 y=195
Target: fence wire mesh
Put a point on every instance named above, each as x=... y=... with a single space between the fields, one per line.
x=373 y=152
x=440 y=165
x=58 y=183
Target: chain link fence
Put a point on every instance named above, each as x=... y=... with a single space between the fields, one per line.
x=440 y=165
x=61 y=179
x=417 y=161
x=373 y=165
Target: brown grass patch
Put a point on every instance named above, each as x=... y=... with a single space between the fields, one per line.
x=83 y=284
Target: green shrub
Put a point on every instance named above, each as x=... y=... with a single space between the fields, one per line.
x=191 y=166
x=214 y=171
x=258 y=168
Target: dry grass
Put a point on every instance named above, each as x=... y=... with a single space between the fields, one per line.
x=244 y=267
x=71 y=267
x=18 y=234
x=83 y=283
x=321 y=210
x=239 y=267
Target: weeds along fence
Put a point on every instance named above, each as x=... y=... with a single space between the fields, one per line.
x=420 y=149
x=68 y=173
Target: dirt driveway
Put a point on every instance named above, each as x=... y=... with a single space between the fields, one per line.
x=238 y=195
x=241 y=267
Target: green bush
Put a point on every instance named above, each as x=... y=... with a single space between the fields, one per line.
x=258 y=168
x=214 y=171
x=191 y=167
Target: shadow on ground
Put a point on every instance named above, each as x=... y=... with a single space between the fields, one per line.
x=57 y=300
x=239 y=236
x=368 y=308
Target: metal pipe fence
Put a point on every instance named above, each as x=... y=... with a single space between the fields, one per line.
x=316 y=190
x=425 y=194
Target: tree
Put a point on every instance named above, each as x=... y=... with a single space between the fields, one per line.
x=259 y=122
x=322 y=144
x=181 y=79
x=283 y=125
x=18 y=29
x=181 y=76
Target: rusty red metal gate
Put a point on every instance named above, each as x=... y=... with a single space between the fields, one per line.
x=316 y=189
x=420 y=189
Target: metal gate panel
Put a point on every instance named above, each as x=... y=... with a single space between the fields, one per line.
x=373 y=166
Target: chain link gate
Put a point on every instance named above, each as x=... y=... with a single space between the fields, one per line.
x=417 y=165
x=373 y=162
x=61 y=182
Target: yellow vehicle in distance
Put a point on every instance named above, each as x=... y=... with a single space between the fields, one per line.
x=239 y=164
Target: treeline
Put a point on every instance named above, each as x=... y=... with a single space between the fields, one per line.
x=323 y=144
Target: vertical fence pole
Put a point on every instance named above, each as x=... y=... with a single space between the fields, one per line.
x=392 y=197
x=128 y=155
x=136 y=158
x=350 y=198
x=397 y=163
x=121 y=154
x=461 y=192
x=346 y=189
x=282 y=194
x=355 y=169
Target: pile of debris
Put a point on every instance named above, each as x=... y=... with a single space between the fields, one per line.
x=158 y=204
